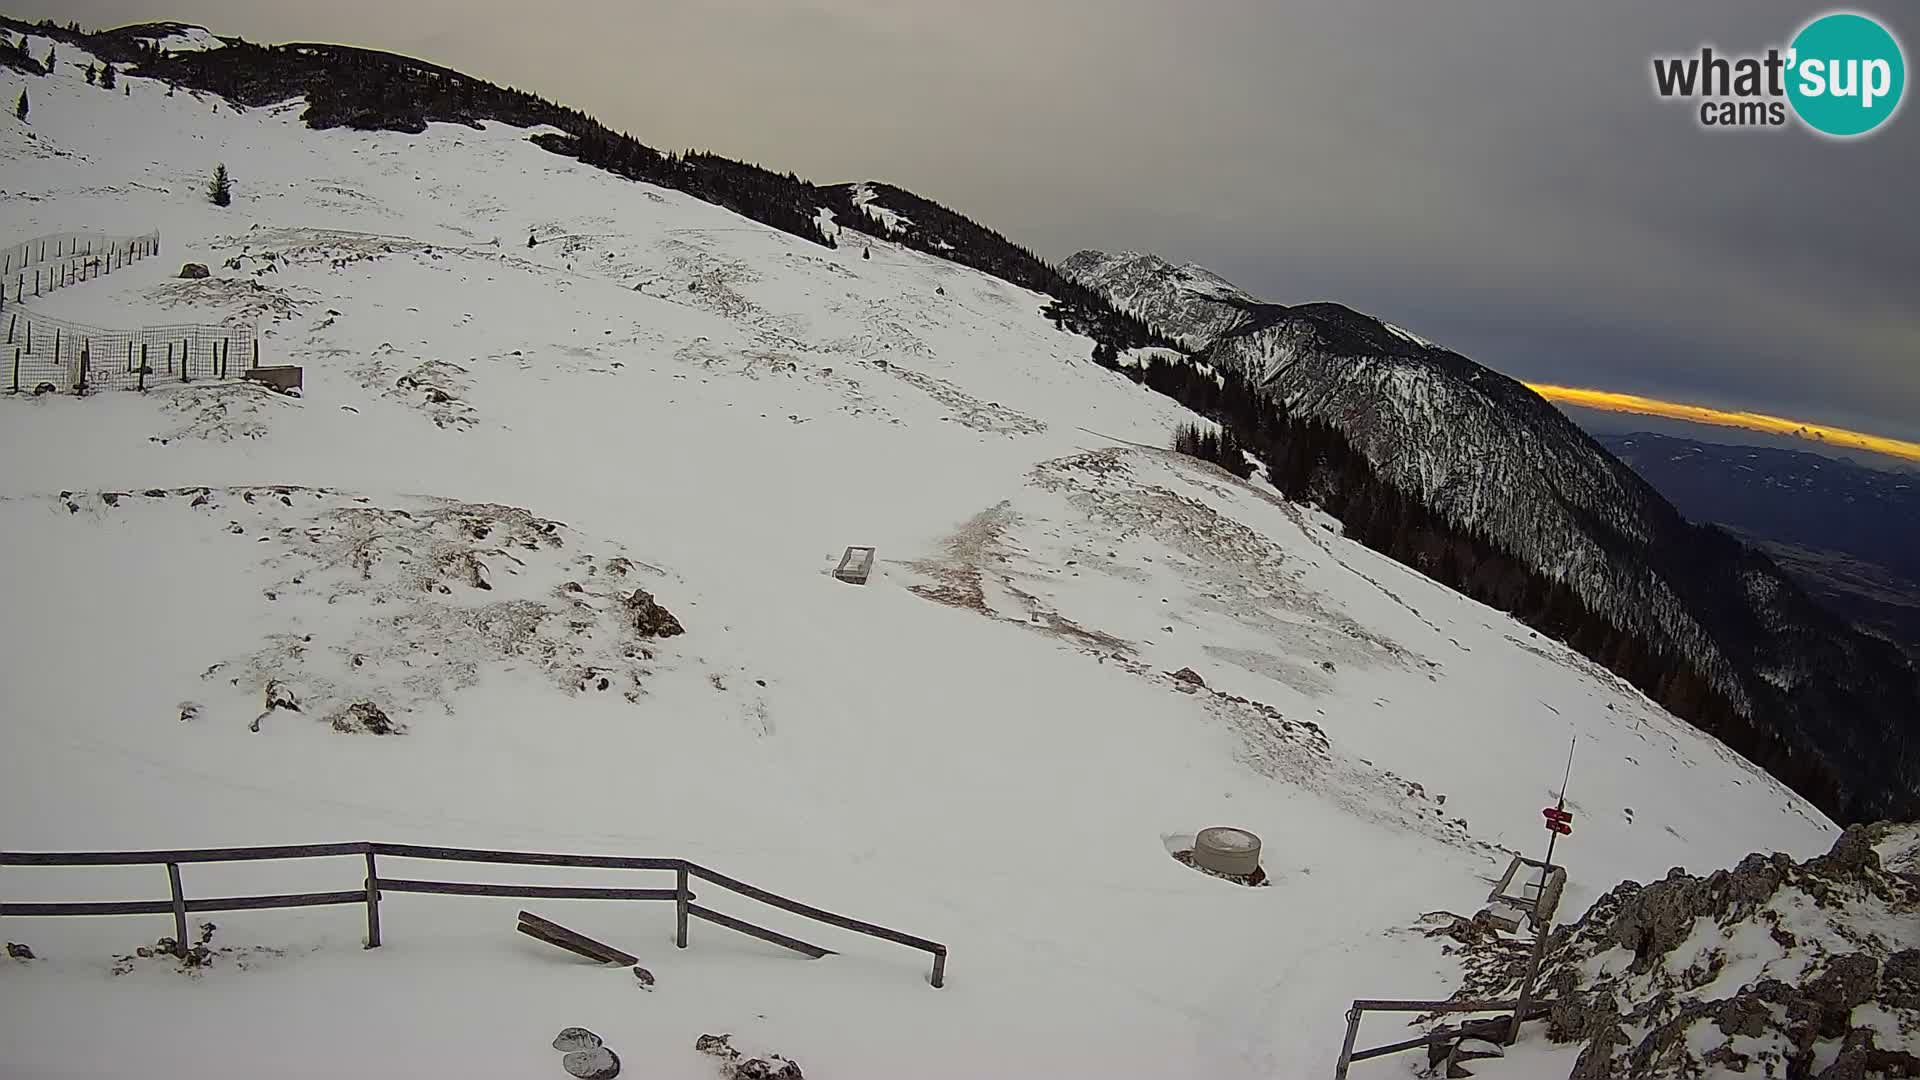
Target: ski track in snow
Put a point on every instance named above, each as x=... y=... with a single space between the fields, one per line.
x=983 y=746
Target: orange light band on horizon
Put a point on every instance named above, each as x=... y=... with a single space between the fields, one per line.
x=1608 y=401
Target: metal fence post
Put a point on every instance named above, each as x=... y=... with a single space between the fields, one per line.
x=373 y=903
x=680 y=906
x=179 y=911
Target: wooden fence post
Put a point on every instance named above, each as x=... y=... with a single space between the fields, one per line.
x=129 y=357
x=1346 y=1051
x=86 y=360
x=179 y=911
x=1526 y=984
x=680 y=898
x=256 y=351
x=169 y=357
x=11 y=323
x=16 y=369
x=373 y=903
x=939 y=969
x=141 y=384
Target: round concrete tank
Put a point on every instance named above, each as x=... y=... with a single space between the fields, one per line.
x=1227 y=851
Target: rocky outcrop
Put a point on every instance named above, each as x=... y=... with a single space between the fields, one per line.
x=649 y=619
x=1771 y=968
x=737 y=1066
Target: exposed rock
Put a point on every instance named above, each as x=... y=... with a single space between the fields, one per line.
x=364 y=716
x=1848 y=981
x=280 y=696
x=598 y=1063
x=649 y=619
x=195 y=271
x=18 y=951
x=1900 y=980
x=1852 y=853
x=766 y=1068
x=576 y=1038
x=643 y=977
x=1188 y=675
x=1641 y=980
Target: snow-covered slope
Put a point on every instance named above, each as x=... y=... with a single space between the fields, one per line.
x=499 y=445
x=1491 y=456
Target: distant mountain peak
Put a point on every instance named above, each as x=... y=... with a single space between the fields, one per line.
x=1490 y=456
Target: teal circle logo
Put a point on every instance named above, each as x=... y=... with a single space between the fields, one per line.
x=1846 y=75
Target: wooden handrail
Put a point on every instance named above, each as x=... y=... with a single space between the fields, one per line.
x=194 y=855
x=524 y=858
x=374 y=884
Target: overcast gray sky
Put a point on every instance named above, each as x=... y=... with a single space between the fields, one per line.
x=1495 y=174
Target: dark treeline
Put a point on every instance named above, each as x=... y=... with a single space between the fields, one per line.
x=14 y=54
x=1220 y=447
x=1311 y=461
x=367 y=89
x=942 y=232
x=370 y=90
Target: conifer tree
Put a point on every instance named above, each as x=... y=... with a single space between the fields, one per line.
x=220 y=190
x=93 y=75
x=107 y=77
x=20 y=107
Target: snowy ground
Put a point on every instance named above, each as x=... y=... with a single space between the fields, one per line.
x=983 y=746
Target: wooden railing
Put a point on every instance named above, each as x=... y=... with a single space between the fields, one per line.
x=374 y=885
x=1492 y=1030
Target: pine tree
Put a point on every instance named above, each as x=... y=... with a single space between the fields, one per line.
x=51 y=56
x=220 y=191
x=20 y=107
x=107 y=77
x=93 y=75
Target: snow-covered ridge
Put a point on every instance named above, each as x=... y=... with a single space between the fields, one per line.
x=1491 y=456
x=659 y=395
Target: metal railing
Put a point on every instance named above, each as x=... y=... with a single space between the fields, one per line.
x=369 y=893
